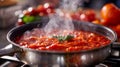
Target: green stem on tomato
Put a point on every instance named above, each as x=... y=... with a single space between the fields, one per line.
x=29 y=19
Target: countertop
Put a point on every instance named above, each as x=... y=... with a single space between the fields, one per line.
x=3 y=38
x=5 y=26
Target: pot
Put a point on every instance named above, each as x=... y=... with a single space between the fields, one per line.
x=60 y=59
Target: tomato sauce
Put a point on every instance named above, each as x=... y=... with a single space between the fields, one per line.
x=80 y=40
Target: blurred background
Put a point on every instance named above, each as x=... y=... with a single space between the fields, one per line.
x=10 y=9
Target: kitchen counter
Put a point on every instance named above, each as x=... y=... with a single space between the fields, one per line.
x=3 y=39
x=5 y=26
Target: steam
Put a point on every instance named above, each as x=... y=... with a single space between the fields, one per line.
x=62 y=20
x=70 y=5
x=58 y=23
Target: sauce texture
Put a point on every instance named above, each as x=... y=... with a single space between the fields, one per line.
x=80 y=40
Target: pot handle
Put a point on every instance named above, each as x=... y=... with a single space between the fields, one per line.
x=115 y=51
x=8 y=50
x=116 y=45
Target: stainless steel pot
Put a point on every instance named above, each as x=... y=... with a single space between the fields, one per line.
x=60 y=59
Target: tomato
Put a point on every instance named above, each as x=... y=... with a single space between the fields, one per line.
x=116 y=29
x=110 y=14
x=20 y=22
x=30 y=11
x=75 y=16
x=41 y=9
x=84 y=15
x=33 y=12
x=45 y=9
x=49 y=8
x=49 y=11
x=97 y=21
x=88 y=15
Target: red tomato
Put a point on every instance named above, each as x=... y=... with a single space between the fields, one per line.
x=41 y=10
x=97 y=21
x=45 y=9
x=20 y=22
x=75 y=16
x=88 y=15
x=48 y=6
x=34 y=12
x=30 y=11
x=49 y=11
x=116 y=29
x=110 y=14
x=84 y=15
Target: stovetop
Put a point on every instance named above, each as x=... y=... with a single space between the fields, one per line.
x=112 y=61
x=109 y=62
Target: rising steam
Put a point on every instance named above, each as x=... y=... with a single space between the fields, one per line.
x=70 y=5
x=60 y=20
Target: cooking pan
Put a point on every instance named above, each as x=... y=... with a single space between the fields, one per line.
x=60 y=59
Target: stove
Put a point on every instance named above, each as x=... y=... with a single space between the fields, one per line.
x=112 y=61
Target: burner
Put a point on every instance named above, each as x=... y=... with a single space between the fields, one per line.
x=101 y=65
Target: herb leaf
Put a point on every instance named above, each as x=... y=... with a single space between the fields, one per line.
x=63 y=38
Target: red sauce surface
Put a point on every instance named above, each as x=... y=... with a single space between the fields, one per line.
x=81 y=41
